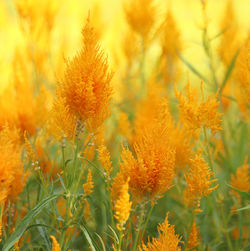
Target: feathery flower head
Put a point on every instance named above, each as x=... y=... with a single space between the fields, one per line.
x=194 y=237
x=151 y=168
x=55 y=245
x=195 y=115
x=13 y=176
x=122 y=206
x=167 y=240
x=198 y=181
x=104 y=158
x=89 y=185
x=141 y=16
x=86 y=85
x=241 y=180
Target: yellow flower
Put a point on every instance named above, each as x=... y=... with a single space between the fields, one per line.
x=194 y=237
x=104 y=158
x=13 y=176
x=89 y=185
x=122 y=207
x=194 y=114
x=241 y=180
x=86 y=85
x=86 y=211
x=151 y=168
x=141 y=16
x=167 y=240
x=198 y=181
x=55 y=245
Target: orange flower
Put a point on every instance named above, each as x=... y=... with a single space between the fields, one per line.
x=104 y=158
x=13 y=176
x=55 y=245
x=141 y=16
x=198 y=182
x=89 y=185
x=152 y=169
x=194 y=237
x=122 y=207
x=195 y=115
x=86 y=85
x=241 y=180
x=167 y=240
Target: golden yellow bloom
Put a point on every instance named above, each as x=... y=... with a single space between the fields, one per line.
x=86 y=211
x=86 y=87
x=141 y=16
x=195 y=115
x=198 y=181
x=194 y=237
x=55 y=245
x=241 y=180
x=170 y=43
x=104 y=158
x=13 y=176
x=151 y=168
x=89 y=185
x=116 y=187
x=29 y=148
x=124 y=127
x=122 y=207
x=62 y=123
x=167 y=240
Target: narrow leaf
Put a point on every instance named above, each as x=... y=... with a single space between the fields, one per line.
x=100 y=238
x=24 y=223
x=229 y=71
x=88 y=237
x=192 y=68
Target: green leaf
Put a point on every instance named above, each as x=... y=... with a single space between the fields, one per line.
x=88 y=237
x=24 y=223
x=244 y=208
x=100 y=238
x=192 y=68
x=229 y=71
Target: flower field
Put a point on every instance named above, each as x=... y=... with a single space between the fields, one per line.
x=124 y=125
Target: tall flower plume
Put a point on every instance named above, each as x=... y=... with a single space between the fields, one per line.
x=167 y=240
x=151 y=168
x=195 y=114
x=85 y=86
x=198 y=181
x=122 y=206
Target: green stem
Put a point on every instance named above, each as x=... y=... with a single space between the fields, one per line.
x=138 y=230
x=147 y=220
x=120 y=240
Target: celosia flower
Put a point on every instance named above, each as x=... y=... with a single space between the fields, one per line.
x=141 y=16
x=13 y=176
x=194 y=237
x=89 y=185
x=62 y=123
x=104 y=158
x=198 y=181
x=170 y=44
x=55 y=245
x=167 y=240
x=124 y=127
x=151 y=169
x=86 y=211
x=241 y=180
x=122 y=207
x=195 y=115
x=86 y=85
